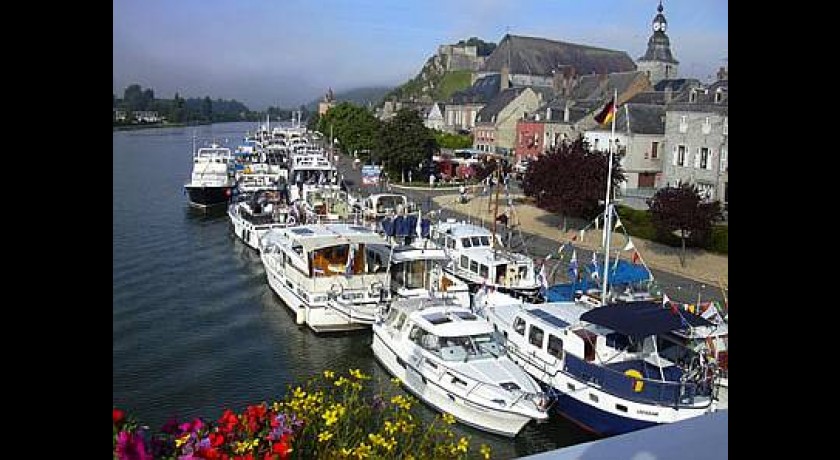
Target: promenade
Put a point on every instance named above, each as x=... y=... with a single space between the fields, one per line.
x=701 y=265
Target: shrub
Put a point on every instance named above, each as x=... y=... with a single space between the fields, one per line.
x=720 y=239
x=329 y=417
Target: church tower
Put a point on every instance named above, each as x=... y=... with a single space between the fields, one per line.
x=658 y=62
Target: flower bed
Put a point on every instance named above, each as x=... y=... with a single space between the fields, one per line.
x=329 y=417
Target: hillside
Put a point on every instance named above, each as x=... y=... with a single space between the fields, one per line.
x=358 y=96
x=449 y=70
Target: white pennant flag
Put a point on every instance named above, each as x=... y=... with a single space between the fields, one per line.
x=617 y=223
x=629 y=245
x=597 y=218
x=581 y=234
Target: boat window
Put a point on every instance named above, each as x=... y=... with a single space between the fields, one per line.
x=450 y=243
x=555 y=346
x=476 y=241
x=400 y=321
x=465 y=262
x=519 y=326
x=462 y=348
x=465 y=315
x=535 y=337
x=523 y=272
x=474 y=266
x=485 y=241
x=465 y=242
x=483 y=271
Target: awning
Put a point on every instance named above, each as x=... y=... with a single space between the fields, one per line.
x=640 y=319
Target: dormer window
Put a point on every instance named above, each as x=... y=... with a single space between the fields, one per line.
x=719 y=95
x=692 y=96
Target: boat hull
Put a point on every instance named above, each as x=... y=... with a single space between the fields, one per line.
x=319 y=318
x=206 y=196
x=502 y=423
x=597 y=420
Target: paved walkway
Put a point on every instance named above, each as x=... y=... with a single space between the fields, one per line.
x=700 y=265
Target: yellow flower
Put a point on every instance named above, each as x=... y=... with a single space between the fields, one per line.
x=346 y=451
x=389 y=444
x=298 y=393
x=363 y=451
x=182 y=440
x=463 y=444
x=485 y=451
x=356 y=386
x=358 y=374
x=330 y=417
x=390 y=428
x=396 y=380
x=329 y=374
x=376 y=439
x=401 y=401
x=324 y=436
x=449 y=419
x=341 y=381
x=277 y=406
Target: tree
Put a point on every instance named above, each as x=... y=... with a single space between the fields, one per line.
x=453 y=141
x=133 y=98
x=571 y=179
x=682 y=211
x=207 y=108
x=354 y=127
x=405 y=144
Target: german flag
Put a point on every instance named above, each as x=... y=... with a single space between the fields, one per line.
x=607 y=113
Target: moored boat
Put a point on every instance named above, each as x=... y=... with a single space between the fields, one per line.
x=448 y=357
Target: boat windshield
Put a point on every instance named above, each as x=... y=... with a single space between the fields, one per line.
x=468 y=347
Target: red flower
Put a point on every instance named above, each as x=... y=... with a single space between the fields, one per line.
x=283 y=447
x=118 y=415
x=216 y=439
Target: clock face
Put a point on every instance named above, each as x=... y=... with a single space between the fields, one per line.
x=663 y=27
x=656 y=26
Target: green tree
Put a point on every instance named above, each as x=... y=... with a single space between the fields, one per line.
x=354 y=127
x=207 y=109
x=571 y=179
x=681 y=211
x=453 y=141
x=177 y=111
x=404 y=143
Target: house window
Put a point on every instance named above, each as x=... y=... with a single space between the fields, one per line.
x=654 y=150
x=724 y=155
x=704 y=158
x=707 y=126
x=680 y=155
x=683 y=123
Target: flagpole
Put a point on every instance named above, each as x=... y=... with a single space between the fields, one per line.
x=608 y=204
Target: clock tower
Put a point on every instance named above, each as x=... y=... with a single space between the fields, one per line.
x=658 y=62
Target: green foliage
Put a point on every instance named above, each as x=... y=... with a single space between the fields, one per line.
x=637 y=222
x=404 y=143
x=354 y=127
x=450 y=82
x=453 y=141
x=571 y=179
x=180 y=110
x=362 y=97
x=720 y=239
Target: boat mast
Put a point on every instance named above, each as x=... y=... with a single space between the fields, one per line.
x=496 y=206
x=608 y=204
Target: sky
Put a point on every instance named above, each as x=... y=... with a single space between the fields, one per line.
x=286 y=53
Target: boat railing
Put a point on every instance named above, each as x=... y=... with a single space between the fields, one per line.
x=644 y=390
x=442 y=370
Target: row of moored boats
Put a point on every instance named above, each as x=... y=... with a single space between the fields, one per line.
x=467 y=325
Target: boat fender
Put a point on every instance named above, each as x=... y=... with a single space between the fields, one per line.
x=638 y=384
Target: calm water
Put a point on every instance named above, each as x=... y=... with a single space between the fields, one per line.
x=196 y=328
